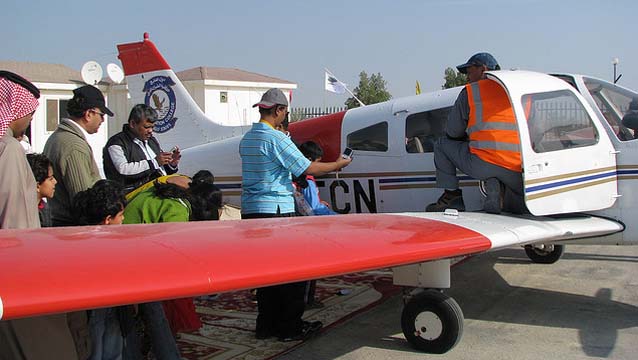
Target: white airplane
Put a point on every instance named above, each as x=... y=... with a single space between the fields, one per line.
x=579 y=166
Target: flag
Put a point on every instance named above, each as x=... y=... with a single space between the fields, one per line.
x=334 y=85
x=418 y=88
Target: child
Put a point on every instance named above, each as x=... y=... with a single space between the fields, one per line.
x=103 y=204
x=311 y=204
x=43 y=173
x=308 y=187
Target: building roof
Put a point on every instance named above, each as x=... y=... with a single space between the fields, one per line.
x=227 y=74
x=43 y=72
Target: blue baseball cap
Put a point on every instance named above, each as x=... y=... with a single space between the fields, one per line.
x=480 y=59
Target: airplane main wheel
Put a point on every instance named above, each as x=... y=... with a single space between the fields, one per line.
x=544 y=254
x=432 y=322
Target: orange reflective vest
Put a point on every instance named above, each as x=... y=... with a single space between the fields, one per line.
x=492 y=125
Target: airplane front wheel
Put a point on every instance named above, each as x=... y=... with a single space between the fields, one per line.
x=544 y=253
x=432 y=322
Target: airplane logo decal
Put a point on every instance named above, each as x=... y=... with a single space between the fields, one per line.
x=159 y=90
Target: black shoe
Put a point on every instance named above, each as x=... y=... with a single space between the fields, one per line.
x=315 y=305
x=451 y=199
x=308 y=329
x=263 y=335
x=494 y=200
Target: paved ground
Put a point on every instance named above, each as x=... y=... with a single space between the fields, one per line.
x=585 y=306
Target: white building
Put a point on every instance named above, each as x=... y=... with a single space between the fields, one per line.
x=227 y=95
x=224 y=94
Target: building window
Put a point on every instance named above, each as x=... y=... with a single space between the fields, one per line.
x=56 y=109
x=223 y=97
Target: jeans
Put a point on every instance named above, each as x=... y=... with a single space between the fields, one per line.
x=106 y=336
x=157 y=328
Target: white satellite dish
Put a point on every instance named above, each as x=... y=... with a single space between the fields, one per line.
x=91 y=72
x=115 y=73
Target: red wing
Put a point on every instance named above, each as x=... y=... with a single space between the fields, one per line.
x=61 y=269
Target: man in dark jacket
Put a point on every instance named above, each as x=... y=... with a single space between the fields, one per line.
x=133 y=156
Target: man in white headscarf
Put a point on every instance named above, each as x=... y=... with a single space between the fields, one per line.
x=42 y=337
x=18 y=200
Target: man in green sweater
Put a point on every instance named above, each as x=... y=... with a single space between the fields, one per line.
x=71 y=156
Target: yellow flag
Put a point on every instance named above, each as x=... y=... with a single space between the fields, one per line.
x=418 y=88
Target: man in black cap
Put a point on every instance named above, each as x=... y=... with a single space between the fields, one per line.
x=71 y=155
x=462 y=148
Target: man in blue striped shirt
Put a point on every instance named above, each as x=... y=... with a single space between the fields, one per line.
x=269 y=160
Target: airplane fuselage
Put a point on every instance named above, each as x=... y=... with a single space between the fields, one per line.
x=393 y=167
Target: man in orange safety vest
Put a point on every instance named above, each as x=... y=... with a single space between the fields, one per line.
x=481 y=140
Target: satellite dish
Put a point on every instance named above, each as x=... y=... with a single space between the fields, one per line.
x=115 y=73
x=91 y=72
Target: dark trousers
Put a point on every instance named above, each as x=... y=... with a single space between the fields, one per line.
x=280 y=307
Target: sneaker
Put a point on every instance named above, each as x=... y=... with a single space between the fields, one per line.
x=308 y=329
x=451 y=199
x=494 y=200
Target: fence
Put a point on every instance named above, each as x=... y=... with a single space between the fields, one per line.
x=302 y=113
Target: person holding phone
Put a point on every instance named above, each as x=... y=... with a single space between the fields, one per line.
x=269 y=161
x=133 y=156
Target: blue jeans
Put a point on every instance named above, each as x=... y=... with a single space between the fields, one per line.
x=106 y=336
x=157 y=328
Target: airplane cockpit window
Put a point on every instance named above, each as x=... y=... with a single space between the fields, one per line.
x=557 y=120
x=422 y=129
x=371 y=138
x=613 y=102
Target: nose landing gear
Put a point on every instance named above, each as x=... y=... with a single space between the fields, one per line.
x=432 y=322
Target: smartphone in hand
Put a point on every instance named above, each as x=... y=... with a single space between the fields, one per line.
x=347 y=153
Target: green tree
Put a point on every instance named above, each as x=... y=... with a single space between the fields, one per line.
x=453 y=78
x=371 y=90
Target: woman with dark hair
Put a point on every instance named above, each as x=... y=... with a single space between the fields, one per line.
x=202 y=200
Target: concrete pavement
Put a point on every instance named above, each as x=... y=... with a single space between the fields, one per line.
x=583 y=306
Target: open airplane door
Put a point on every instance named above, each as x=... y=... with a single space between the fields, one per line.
x=569 y=163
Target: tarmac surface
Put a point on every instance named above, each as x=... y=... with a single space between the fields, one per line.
x=585 y=306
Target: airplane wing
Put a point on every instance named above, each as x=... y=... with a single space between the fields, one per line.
x=54 y=270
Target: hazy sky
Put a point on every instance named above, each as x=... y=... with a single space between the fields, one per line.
x=405 y=41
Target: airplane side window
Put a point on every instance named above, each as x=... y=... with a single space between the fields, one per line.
x=371 y=138
x=557 y=121
x=424 y=128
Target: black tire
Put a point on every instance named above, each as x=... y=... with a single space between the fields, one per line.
x=445 y=320
x=547 y=255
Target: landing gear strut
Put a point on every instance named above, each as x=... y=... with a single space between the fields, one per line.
x=432 y=322
x=544 y=253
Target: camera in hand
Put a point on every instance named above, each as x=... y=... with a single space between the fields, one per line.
x=347 y=153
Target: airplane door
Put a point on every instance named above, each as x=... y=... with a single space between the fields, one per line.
x=569 y=163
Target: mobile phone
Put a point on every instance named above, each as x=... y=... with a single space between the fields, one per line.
x=347 y=153
x=174 y=149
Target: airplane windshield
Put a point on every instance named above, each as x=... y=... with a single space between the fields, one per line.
x=613 y=103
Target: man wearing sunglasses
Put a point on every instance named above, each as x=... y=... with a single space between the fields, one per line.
x=71 y=156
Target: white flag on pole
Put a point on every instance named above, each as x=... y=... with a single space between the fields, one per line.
x=334 y=85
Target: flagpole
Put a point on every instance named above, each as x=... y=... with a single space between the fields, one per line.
x=345 y=87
